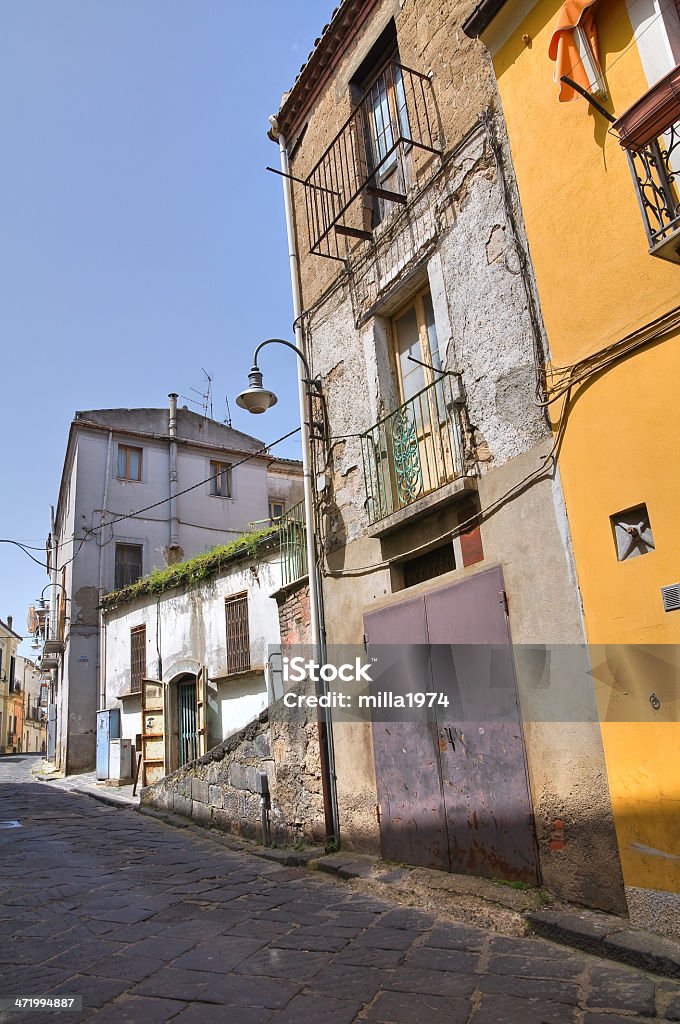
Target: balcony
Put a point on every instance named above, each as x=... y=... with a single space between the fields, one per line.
x=383 y=147
x=415 y=451
x=292 y=544
x=649 y=131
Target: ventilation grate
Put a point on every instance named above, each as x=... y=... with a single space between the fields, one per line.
x=671 y=597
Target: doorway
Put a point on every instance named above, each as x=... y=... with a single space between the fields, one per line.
x=452 y=781
x=187 y=721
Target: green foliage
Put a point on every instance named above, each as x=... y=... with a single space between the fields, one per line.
x=193 y=571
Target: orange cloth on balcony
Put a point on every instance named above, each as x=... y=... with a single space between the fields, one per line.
x=564 y=49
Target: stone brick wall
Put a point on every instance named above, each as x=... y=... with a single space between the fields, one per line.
x=430 y=41
x=220 y=788
x=294 y=614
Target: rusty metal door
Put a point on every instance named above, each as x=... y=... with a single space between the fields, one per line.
x=488 y=809
x=454 y=791
x=407 y=760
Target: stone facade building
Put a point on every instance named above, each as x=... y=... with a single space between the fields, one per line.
x=440 y=513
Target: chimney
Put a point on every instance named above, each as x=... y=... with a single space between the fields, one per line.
x=9 y=621
x=172 y=424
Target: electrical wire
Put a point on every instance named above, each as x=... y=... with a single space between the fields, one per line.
x=479 y=516
x=25 y=550
x=90 y=531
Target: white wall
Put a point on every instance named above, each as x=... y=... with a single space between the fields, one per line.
x=186 y=629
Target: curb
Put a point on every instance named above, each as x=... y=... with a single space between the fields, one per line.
x=104 y=797
x=609 y=937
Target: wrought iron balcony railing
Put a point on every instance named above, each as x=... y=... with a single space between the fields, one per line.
x=650 y=134
x=293 y=544
x=415 y=450
x=378 y=153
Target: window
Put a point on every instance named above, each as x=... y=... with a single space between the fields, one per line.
x=429 y=565
x=276 y=509
x=128 y=564
x=137 y=658
x=220 y=479
x=238 y=637
x=129 y=462
x=415 y=343
x=379 y=80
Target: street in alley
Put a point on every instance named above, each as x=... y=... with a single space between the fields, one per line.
x=148 y=922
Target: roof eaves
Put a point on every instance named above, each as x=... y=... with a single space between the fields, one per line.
x=481 y=17
x=345 y=21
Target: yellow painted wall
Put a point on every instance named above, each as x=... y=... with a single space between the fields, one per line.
x=621 y=447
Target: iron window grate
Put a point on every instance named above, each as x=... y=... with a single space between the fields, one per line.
x=137 y=658
x=238 y=636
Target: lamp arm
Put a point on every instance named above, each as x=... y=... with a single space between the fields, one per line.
x=288 y=344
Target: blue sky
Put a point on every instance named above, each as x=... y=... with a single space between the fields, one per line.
x=142 y=238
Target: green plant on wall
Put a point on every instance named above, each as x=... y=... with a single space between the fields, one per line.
x=194 y=570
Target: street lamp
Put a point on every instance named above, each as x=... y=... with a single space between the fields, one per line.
x=257 y=399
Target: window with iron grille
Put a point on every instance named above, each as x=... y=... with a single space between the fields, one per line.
x=238 y=637
x=429 y=565
x=128 y=564
x=137 y=658
x=220 y=479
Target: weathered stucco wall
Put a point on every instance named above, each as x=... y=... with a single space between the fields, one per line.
x=430 y=41
x=220 y=789
x=186 y=629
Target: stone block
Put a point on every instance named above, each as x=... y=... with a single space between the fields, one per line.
x=181 y=805
x=262 y=746
x=646 y=950
x=242 y=777
x=199 y=791
x=215 y=796
x=201 y=812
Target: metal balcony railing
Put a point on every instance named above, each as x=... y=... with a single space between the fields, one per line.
x=650 y=134
x=379 y=151
x=293 y=544
x=415 y=450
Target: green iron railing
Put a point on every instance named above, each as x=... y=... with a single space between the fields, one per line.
x=413 y=451
x=292 y=544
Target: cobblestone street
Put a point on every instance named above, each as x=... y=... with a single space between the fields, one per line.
x=151 y=923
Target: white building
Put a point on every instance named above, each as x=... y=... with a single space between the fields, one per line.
x=204 y=634
x=34 y=732
x=141 y=489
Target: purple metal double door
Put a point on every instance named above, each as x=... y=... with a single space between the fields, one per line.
x=452 y=781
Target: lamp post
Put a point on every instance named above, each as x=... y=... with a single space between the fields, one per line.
x=257 y=399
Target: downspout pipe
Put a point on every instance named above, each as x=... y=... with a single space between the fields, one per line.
x=101 y=646
x=52 y=629
x=315 y=592
x=172 y=431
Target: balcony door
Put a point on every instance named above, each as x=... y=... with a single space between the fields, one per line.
x=422 y=448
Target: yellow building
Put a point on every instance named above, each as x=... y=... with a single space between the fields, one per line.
x=11 y=707
x=605 y=247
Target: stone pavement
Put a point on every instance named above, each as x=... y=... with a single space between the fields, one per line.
x=150 y=923
x=85 y=783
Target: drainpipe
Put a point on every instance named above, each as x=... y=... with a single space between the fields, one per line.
x=328 y=779
x=52 y=632
x=172 y=431
x=101 y=646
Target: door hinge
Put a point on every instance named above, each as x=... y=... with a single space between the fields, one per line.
x=503 y=597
